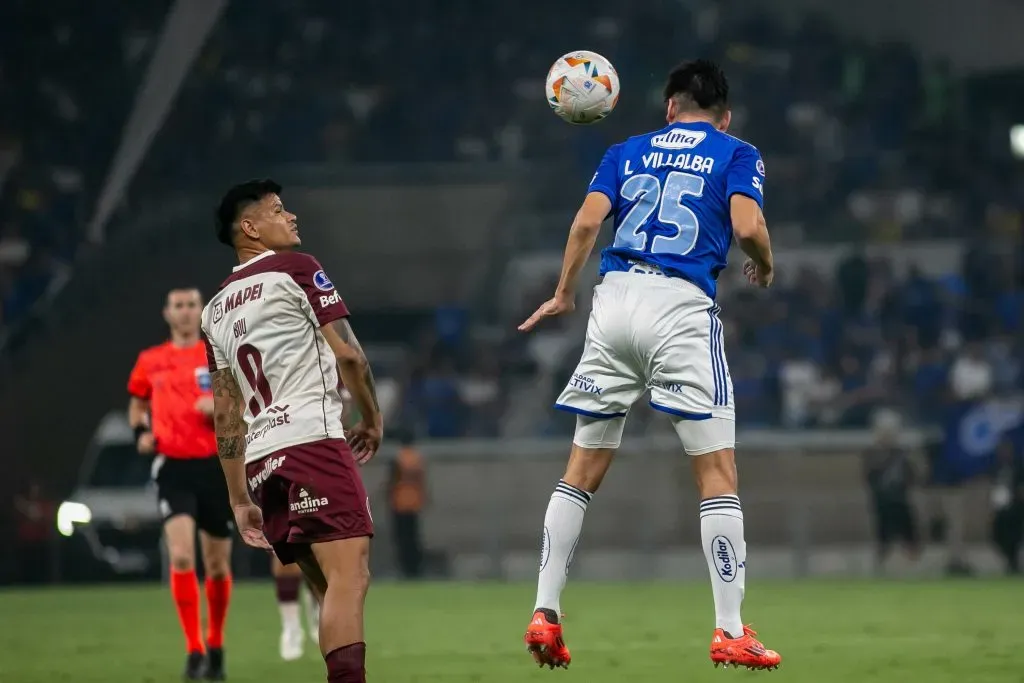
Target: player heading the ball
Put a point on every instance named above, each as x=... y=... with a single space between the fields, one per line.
x=678 y=197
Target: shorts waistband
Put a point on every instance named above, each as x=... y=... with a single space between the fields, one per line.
x=638 y=268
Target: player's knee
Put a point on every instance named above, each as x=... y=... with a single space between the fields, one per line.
x=218 y=567
x=182 y=561
x=593 y=433
x=715 y=473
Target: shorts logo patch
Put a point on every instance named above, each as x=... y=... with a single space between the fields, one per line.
x=165 y=508
x=760 y=167
x=322 y=282
x=269 y=465
x=725 y=558
x=307 y=503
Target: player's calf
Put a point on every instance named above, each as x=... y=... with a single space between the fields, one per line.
x=217 y=564
x=179 y=537
x=344 y=565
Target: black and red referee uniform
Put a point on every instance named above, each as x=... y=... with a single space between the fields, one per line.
x=188 y=476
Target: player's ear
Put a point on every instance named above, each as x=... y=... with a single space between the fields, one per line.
x=248 y=228
x=670 y=110
x=723 y=124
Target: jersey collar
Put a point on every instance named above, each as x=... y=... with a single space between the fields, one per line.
x=267 y=254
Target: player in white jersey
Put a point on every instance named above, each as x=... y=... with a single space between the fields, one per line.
x=278 y=344
x=679 y=196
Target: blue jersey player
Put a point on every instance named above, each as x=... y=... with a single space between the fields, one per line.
x=679 y=196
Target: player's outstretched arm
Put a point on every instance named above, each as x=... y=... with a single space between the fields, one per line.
x=230 y=427
x=751 y=231
x=582 y=236
x=364 y=437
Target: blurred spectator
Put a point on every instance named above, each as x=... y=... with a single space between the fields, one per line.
x=890 y=477
x=1008 y=504
x=971 y=374
x=407 y=494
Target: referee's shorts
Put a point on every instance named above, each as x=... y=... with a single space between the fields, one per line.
x=194 y=487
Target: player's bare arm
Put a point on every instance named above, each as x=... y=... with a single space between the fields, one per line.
x=582 y=236
x=229 y=424
x=365 y=436
x=138 y=420
x=751 y=232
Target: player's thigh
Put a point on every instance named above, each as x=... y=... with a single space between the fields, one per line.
x=308 y=566
x=344 y=563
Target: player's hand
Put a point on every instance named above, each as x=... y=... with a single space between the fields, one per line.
x=249 y=520
x=364 y=440
x=204 y=405
x=757 y=275
x=146 y=443
x=556 y=305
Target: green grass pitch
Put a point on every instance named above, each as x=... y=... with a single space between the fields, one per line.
x=827 y=631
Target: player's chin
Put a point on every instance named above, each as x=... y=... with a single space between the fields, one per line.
x=294 y=239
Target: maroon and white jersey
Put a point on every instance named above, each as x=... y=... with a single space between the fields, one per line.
x=264 y=324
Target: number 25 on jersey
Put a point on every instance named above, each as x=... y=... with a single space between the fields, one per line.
x=676 y=227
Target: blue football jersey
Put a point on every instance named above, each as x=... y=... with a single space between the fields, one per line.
x=670 y=193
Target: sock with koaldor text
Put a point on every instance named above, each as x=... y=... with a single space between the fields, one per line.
x=721 y=534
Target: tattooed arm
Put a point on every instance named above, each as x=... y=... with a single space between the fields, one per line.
x=365 y=436
x=354 y=368
x=231 y=430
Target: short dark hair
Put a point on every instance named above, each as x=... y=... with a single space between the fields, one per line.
x=699 y=84
x=238 y=198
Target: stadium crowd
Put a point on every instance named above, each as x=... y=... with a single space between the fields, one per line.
x=847 y=130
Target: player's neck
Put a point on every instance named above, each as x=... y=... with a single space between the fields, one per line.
x=246 y=254
x=693 y=118
x=183 y=341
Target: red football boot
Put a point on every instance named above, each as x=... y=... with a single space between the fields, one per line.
x=743 y=651
x=544 y=640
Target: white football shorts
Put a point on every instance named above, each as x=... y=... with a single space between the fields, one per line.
x=649 y=331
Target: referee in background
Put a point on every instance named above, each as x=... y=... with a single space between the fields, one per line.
x=171 y=411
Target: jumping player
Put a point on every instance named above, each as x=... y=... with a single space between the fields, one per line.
x=171 y=410
x=278 y=338
x=679 y=195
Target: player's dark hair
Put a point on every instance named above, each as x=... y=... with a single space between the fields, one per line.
x=236 y=200
x=699 y=84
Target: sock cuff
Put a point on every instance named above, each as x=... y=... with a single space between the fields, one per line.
x=183 y=572
x=571 y=493
x=728 y=505
x=227 y=578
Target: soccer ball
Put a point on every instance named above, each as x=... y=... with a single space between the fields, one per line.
x=582 y=87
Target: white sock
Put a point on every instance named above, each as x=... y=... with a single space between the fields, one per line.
x=721 y=534
x=562 y=524
x=290 y=616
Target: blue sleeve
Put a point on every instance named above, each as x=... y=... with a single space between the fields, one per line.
x=606 y=180
x=746 y=175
